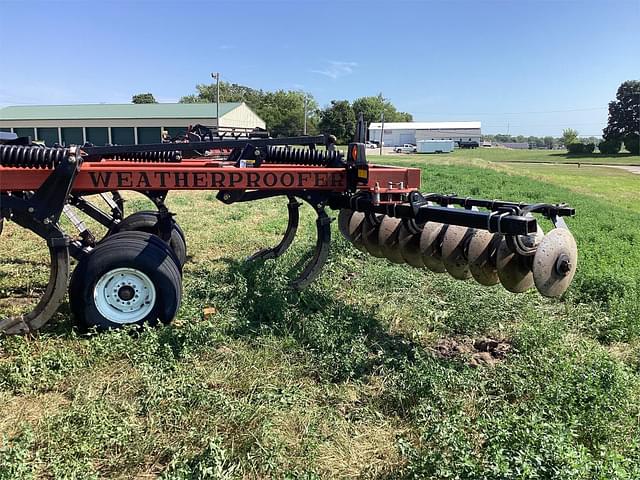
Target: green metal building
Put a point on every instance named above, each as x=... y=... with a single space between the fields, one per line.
x=122 y=124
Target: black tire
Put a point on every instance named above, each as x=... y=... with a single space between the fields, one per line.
x=147 y=221
x=150 y=265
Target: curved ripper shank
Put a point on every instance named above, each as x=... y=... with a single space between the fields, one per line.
x=323 y=232
x=290 y=233
x=51 y=298
x=40 y=212
x=321 y=251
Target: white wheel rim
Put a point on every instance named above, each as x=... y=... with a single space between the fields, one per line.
x=124 y=295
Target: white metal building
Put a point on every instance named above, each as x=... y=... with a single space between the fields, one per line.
x=123 y=124
x=398 y=133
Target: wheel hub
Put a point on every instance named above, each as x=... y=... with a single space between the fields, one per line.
x=124 y=295
x=126 y=292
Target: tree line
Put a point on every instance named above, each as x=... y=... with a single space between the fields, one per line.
x=284 y=110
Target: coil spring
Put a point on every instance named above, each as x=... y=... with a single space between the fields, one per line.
x=301 y=156
x=23 y=156
x=161 y=157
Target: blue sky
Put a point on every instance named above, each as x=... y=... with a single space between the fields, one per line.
x=529 y=67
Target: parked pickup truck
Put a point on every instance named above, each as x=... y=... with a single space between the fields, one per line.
x=406 y=148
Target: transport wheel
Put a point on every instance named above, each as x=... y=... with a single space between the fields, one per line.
x=147 y=221
x=130 y=278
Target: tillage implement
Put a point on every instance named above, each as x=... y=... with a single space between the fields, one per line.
x=133 y=275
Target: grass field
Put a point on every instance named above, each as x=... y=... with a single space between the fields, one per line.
x=375 y=371
x=545 y=156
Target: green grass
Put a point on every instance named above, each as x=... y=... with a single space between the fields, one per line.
x=348 y=378
x=538 y=156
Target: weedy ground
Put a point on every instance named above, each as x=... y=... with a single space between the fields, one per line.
x=374 y=371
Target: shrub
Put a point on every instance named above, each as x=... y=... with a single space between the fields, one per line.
x=575 y=148
x=632 y=143
x=579 y=148
x=610 y=146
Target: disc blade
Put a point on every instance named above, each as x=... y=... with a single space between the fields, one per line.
x=514 y=271
x=409 y=243
x=355 y=230
x=454 y=255
x=370 y=228
x=388 y=239
x=344 y=218
x=555 y=262
x=431 y=246
x=481 y=255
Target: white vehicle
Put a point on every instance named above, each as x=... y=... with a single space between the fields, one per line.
x=435 y=146
x=406 y=148
x=372 y=145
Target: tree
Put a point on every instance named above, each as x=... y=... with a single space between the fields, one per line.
x=282 y=110
x=338 y=119
x=624 y=116
x=143 y=98
x=229 y=92
x=548 y=142
x=609 y=147
x=502 y=138
x=569 y=136
x=372 y=108
x=632 y=143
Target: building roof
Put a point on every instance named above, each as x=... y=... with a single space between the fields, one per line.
x=424 y=125
x=113 y=111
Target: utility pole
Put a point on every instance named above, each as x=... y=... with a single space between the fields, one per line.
x=216 y=75
x=381 y=131
x=305 y=114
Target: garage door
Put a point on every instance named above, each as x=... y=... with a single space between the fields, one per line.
x=48 y=135
x=25 y=132
x=122 y=136
x=72 y=136
x=148 y=135
x=98 y=135
x=175 y=131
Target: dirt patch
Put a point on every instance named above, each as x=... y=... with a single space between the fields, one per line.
x=29 y=409
x=489 y=352
x=476 y=352
x=449 y=348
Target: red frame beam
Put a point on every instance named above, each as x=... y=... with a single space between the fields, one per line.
x=208 y=175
